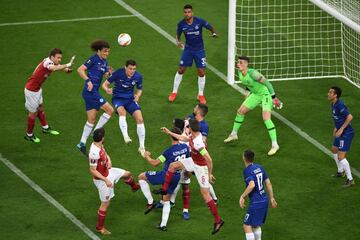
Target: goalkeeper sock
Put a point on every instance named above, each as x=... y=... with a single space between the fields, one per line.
x=272 y=130
x=239 y=119
x=177 y=81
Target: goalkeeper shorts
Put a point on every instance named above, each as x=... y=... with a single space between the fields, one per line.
x=253 y=100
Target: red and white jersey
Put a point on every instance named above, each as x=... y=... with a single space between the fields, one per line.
x=39 y=75
x=197 y=147
x=98 y=158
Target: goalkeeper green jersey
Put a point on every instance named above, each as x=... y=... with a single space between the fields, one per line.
x=251 y=81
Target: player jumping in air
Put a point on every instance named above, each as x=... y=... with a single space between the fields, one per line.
x=261 y=92
x=176 y=152
x=255 y=177
x=105 y=177
x=200 y=163
x=199 y=114
x=194 y=50
x=92 y=71
x=33 y=92
x=124 y=99
x=343 y=134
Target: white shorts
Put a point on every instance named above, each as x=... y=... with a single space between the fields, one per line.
x=201 y=172
x=33 y=100
x=184 y=179
x=106 y=193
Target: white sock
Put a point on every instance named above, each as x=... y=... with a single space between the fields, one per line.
x=165 y=213
x=212 y=192
x=176 y=190
x=141 y=135
x=347 y=169
x=338 y=164
x=257 y=233
x=145 y=188
x=250 y=236
x=102 y=120
x=86 y=132
x=201 y=84
x=123 y=126
x=177 y=81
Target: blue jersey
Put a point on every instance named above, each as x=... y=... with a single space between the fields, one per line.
x=96 y=67
x=124 y=86
x=193 y=33
x=256 y=173
x=173 y=154
x=204 y=126
x=340 y=113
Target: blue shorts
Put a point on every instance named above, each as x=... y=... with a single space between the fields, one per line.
x=129 y=104
x=343 y=142
x=158 y=178
x=256 y=216
x=93 y=100
x=188 y=57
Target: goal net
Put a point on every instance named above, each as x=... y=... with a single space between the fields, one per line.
x=296 y=39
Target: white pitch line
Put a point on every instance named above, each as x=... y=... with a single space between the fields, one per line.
x=64 y=20
x=238 y=88
x=49 y=198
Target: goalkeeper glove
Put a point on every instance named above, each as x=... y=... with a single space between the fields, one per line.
x=277 y=103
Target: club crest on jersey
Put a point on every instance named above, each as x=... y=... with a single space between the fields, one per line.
x=133 y=82
x=197 y=27
x=101 y=100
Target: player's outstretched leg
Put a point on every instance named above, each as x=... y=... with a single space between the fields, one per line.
x=239 y=119
x=201 y=85
x=177 y=80
x=29 y=135
x=145 y=188
x=346 y=166
x=85 y=135
x=129 y=180
x=100 y=227
x=45 y=128
x=186 y=201
x=340 y=170
x=272 y=133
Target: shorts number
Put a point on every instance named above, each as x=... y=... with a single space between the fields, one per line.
x=259 y=177
x=246 y=217
x=152 y=173
x=203 y=179
x=341 y=143
x=203 y=61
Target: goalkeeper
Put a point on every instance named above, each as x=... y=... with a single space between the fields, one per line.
x=261 y=92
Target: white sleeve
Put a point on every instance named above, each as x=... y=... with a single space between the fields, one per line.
x=47 y=63
x=94 y=156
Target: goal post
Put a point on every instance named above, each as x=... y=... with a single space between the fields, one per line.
x=296 y=39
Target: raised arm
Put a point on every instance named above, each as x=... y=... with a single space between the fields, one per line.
x=59 y=67
x=154 y=162
x=177 y=136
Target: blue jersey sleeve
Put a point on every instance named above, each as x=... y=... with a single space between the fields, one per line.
x=343 y=110
x=139 y=83
x=178 y=30
x=204 y=129
x=88 y=63
x=113 y=77
x=265 y=176
x=205 y=24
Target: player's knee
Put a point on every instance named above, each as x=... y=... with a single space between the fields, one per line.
x=201 y=73
x=127 y=174
x=110 y=111
x=181 y=70
x=142 y=176
x=334 y=149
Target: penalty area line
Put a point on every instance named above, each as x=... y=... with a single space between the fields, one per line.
x=235 y=86
x=64 y=20
x=49 y=198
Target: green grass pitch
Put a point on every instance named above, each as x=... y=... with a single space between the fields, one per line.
x=312 y=205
